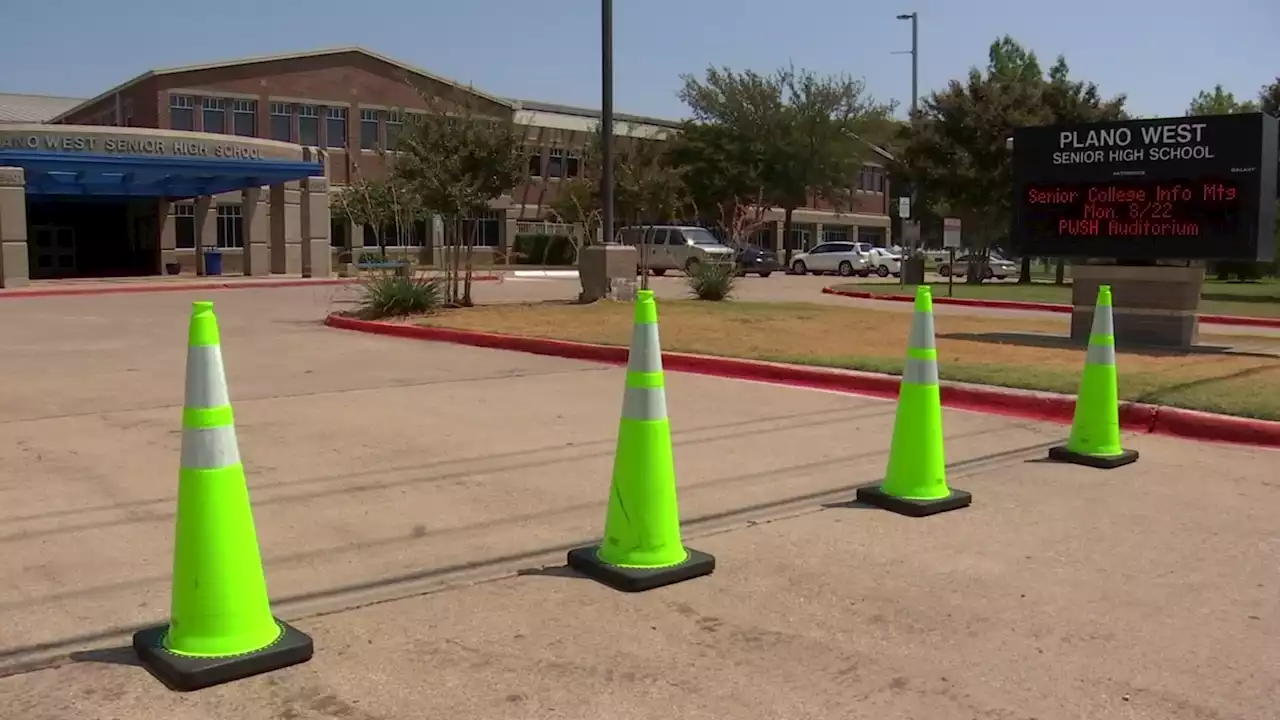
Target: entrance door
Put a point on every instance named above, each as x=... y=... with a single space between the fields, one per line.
x=54 y=251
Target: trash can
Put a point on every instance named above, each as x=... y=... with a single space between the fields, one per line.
x=213 y=263
x=913 y=270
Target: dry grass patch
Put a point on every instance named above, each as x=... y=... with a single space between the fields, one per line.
x=998 y=351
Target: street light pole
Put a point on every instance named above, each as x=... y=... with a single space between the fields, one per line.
x=606 y=121
x=915 y=100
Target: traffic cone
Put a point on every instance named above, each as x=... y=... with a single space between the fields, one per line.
x=642 y=548
x=1095 y=428
x=220 y=623
x=915 y=482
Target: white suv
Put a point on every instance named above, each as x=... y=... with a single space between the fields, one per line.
x=844 y=258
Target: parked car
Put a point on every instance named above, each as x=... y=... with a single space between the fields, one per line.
x=885 y=262
x=997 y=267
x=752 y=259
x=675 y=247
x=844 y=258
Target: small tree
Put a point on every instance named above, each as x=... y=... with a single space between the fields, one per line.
x=456 y=161
x=578 y=204
x=805 y=131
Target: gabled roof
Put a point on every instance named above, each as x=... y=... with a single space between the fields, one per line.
x=323 y=52
x=19 y=108
x=539 y=106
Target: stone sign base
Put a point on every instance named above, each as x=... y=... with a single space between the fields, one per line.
x=607 y=271
x=1151 y=305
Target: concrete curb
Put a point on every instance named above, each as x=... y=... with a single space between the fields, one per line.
x=1042 y=307
x=1047 y=407
x=196 y=286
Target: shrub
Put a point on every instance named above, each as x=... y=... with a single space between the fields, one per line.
x=389 y=295
x=713 y=281
x=369 y=258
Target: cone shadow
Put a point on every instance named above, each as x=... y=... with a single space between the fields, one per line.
x=184 y=673
x=1061 y=454
x=123 y=655
x=560 y=571
x=626 y=579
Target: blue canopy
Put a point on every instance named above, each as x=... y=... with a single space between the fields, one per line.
x=94 y=175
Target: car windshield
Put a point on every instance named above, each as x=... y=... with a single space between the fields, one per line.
x=701 y=237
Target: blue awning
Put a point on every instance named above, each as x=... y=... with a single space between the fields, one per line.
x=85 y=174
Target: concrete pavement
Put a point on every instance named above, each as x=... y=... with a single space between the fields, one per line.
x=409 y=496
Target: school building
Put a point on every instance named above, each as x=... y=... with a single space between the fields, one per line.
x=229 y=167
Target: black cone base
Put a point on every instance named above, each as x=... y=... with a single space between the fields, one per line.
x=1103 y=462
x=873 y=495
x=181 y=672
x=584 y=560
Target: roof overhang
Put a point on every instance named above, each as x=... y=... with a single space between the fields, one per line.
x=91 y=175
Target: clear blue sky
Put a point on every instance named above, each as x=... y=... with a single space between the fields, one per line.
x=1159 y=52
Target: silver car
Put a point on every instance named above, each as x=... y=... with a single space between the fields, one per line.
x=675 y=247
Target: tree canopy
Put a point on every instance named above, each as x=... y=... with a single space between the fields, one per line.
x=1219 y=102
x=954 y=152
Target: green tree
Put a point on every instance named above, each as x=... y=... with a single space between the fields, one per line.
x=1219 y=102
x=388 y=206
x=955 y=151
x=723 y=177
x=1269 y=98
x=456 y=160
x=805 y=131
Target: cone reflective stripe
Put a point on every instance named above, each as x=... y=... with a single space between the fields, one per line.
x=1095 y=425
x=220 y=624
x=915 y=479
x=642 y=547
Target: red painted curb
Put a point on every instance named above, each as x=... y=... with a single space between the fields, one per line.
x=242 y=285
x=1045 y=407
x=1042 y=307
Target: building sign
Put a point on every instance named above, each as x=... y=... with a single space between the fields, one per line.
x=1177 y=188
x=127 y=145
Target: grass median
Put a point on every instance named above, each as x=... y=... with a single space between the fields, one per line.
x=1247 y=299
x=1031 y=354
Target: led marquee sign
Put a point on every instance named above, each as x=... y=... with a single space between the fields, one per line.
x=1173 y=188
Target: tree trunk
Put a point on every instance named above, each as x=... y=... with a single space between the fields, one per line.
x=472 y=236
x=1060 y=274
x=1024 y=276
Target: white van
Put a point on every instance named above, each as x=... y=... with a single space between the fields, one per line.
x=674 y=247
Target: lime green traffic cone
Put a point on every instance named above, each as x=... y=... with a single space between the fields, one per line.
x=642 y=547
x=220 y=623
x=1095 y=428
x=915 y=481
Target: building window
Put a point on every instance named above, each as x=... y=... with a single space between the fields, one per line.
x=308 y=125
x=230 y=227
x=126 y=108
x=338 y=227
x=368 y=129
x=215 y=115
x=871 y=179
x=555 y=163
x=182 y=114
x=535 y=162
x=184 y=226
x=395 y=124
x=572 y=165
x=282 y=122
x=412 y=234
x=835 y=235
x=487 y=230
x=336 y=127
x=874 y=236
x=244 y=118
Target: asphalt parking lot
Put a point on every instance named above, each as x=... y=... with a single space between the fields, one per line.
x=414 y=500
